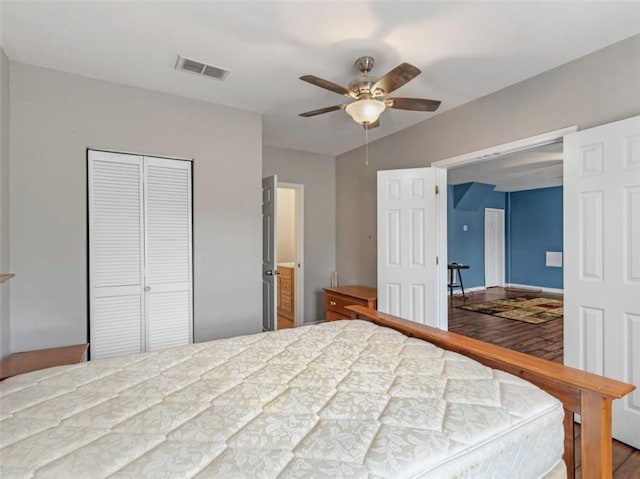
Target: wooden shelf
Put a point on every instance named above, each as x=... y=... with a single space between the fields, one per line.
x=5 y=277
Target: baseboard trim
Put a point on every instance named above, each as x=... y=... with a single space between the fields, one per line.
x=468 y=290
x=308 y=323
x=534 y=288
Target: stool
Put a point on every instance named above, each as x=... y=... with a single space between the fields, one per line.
x=453 y=267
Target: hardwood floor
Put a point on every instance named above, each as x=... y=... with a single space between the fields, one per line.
x=541 y=340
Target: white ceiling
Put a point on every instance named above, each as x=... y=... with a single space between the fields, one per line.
x=464 y=49
x=539 y=167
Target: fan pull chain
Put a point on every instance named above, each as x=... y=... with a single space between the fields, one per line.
x=366 y=145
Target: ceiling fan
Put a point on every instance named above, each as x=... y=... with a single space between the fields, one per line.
x=370 y=93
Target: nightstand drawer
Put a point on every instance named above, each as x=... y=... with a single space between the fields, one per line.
x=336 y=304
x=335 y=316
x=336 y=299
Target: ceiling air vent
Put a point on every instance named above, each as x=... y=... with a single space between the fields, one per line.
x=194 y=66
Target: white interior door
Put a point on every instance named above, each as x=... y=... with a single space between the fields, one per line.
x=269 y=253
x=412 y=269
x=116 y=263
x=493 y=247
x=602 y=261
x=168 y=266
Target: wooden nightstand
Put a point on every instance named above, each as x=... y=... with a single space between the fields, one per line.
x=19 y=363
x=339 y=297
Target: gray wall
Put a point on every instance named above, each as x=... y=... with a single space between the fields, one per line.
x=599 y=88
x=5 y=328
x=54 y=117
x=317 y=174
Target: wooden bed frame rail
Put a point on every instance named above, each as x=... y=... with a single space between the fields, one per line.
x=581 y=392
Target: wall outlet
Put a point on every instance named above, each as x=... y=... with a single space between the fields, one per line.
x=465 y=228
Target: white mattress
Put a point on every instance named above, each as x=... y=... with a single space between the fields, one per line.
x=341 y=399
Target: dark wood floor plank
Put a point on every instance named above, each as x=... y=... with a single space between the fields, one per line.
x=622 y=453
x=630 y=468
x=540 y=340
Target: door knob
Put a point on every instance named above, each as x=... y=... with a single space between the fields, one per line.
x=272 y=272
x=147 y=289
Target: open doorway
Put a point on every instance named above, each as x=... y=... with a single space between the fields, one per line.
x=518 y=196
x=525 y=180
x=506 y=224
x=290 y=284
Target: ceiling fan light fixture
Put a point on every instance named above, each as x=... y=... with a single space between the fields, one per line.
x=365 y=111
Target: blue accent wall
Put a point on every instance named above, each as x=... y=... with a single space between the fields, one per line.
x=468 y=196
x=533 y=226
x=467 y=247
x=534 y=219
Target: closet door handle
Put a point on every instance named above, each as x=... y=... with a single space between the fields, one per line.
x=147 y=289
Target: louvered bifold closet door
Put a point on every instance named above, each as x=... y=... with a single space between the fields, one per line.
x=115 y=254
x=168 y=253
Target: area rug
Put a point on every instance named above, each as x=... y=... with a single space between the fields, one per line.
x=530 y=309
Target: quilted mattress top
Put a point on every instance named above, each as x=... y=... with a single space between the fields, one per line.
x=340 y=399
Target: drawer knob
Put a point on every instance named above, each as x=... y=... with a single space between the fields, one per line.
x=332 y=303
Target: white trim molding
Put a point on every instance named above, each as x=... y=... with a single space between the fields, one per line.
x=534 y=288
x=499 y=150
x=527 y=287
x=458 y=292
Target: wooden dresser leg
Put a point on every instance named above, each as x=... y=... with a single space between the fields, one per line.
x=595 y=434
x=569 y=438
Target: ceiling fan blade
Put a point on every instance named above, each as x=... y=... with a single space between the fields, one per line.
x=326 y=84
x=403 y=73
x=320 y=111
x=369 y=126
x=417 y=104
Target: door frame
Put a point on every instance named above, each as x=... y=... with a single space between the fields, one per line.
x=299 y=270
x=497 y=151
x=492 y=153
x=502 y=257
